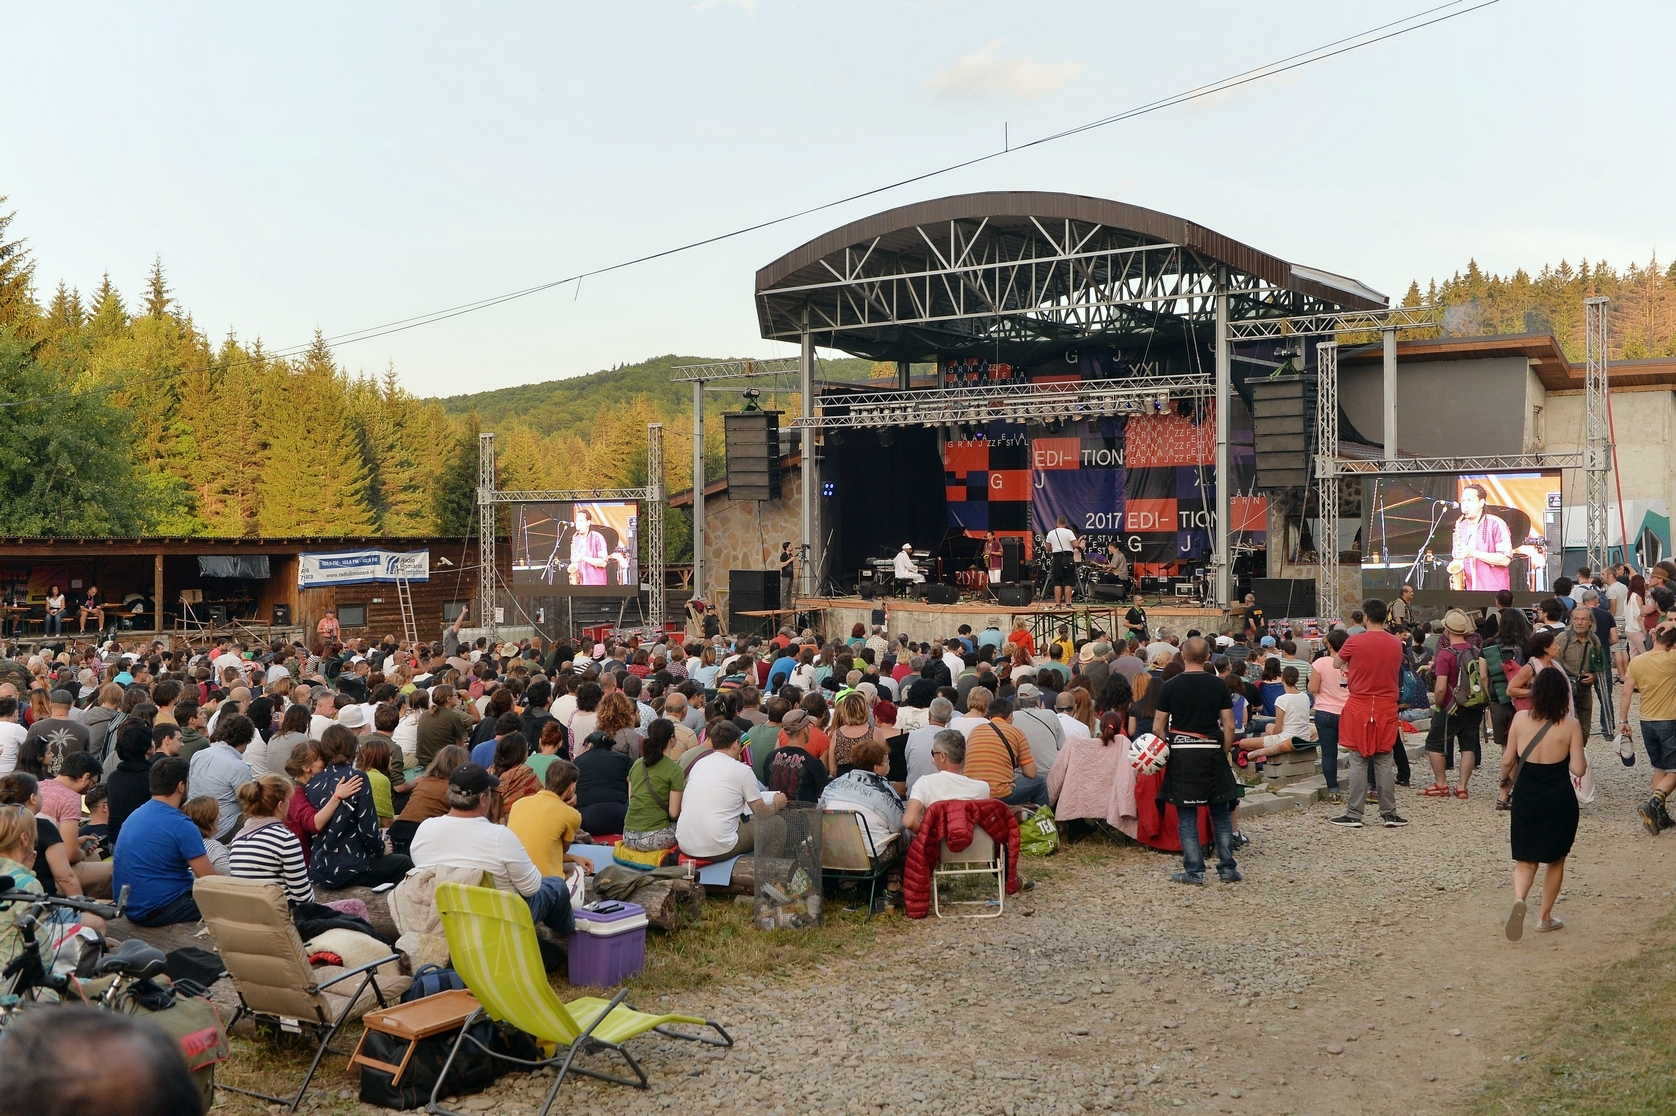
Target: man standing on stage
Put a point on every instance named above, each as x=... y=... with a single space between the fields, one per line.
x=992 y=557
x=588 y=552
x=1483 y=544
x=1367 y=727
x=1061 y=543
x=788 y=570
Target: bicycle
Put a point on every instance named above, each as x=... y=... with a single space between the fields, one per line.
x=119 y=981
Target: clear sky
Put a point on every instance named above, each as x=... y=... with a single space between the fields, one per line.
x=337 y=166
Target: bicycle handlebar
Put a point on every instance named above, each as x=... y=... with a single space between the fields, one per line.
x=103 y=910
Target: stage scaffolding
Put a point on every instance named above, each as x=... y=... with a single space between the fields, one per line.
x=652 y=501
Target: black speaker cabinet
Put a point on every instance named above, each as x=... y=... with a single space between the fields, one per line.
x=1281 y=597
x=1012 y=557
x=752 y=439
x=1014 y=594
x=761 y=587
x=1107 y=592
x=942 y=594
x=1280 y=419
x=282 y=616
x=867 y=590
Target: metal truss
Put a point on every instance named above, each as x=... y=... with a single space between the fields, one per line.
x=1597 y=429
x=1326 y=479
x=1337 y=321
x=1504 y=463
x=1003 y=403
x=735 y=370
x=651 y=497
x=487 y=575
x=1054 y=280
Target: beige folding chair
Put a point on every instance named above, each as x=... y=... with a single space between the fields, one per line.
x=847 y=852
x=980 y=858
x=259 y=947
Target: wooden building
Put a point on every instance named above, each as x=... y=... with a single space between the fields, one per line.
x=144 y=580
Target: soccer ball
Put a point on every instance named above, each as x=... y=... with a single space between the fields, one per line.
x=1147 y=754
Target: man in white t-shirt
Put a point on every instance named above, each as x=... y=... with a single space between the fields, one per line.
x=1061 y=543
x=977 y=711
x=466 y=838
x=719 y=791
x=917 y=748
x=325 y=714
x=946 y=784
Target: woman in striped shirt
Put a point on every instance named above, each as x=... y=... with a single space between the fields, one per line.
x=265 y=848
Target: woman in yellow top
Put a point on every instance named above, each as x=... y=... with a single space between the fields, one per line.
x=372 y=757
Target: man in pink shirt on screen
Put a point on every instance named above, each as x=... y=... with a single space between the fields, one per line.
x=1483 y=544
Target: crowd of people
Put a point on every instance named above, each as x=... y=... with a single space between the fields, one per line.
x=353 y=764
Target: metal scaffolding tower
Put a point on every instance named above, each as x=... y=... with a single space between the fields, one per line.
x=1326 y=475
x=1597 y=429
x=486 y=573
x=654 y=505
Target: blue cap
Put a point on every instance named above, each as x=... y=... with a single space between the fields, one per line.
x=1266 y=641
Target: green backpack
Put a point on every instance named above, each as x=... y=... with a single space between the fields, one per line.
x=1471 y=684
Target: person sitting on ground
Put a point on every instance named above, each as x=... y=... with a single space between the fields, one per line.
x=998 y=753
x=547 y=821
x=790 y=769
x=852 y=723
x=351 y=850
x=602 y=792
x=161 y=853
x=547 y=747
x=205 y=813
x=430 y=795
x=466 y=838
x=864 y=790
x=945 y=784
x=265 y=848
x=517 y=778
x=372 y=759
x=1293 y=729
x=719 y=790
x=18 y=828
x=656 y=785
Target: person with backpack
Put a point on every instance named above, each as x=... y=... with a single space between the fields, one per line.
x=1460 y=695
x=1578 y=649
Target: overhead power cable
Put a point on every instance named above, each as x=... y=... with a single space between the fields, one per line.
x=1373 y=35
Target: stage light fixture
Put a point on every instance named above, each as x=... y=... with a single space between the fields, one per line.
x=751 y=397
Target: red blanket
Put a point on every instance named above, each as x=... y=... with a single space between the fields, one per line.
x=955 y=823
x=1156 y=824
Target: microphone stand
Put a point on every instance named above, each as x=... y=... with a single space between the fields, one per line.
x=1437 y=520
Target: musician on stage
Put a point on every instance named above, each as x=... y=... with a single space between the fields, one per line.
x=1062 y=545
x=1483 y=548
x=903 y=568
x=589 y=555
x=992 y=557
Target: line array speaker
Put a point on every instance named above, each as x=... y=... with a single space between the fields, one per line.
x=753 y=455
x=1279 y=428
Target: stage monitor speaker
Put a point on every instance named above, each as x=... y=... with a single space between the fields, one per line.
x=761 y=586
x=1281 y=597
x=1107 y=592
x=867 y=590
x=282 y=616
x=941 y=594
x=1014 y=594
x=1279 y=423
x=1012 y=557
x=753 y=455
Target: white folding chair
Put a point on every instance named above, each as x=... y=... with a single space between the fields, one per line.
x=980 y=858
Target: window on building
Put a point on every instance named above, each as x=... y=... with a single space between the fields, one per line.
x=452 y=609
x=1539 y=428
x=352 y=616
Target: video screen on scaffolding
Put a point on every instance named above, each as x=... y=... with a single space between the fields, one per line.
x=577 y=549
x=1474 y=532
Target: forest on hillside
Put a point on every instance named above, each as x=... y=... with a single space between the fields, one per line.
x=119 y=416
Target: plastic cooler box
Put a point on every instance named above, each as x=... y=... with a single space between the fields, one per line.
x=609 y=944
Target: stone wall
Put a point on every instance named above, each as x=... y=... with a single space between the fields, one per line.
x=746 y=534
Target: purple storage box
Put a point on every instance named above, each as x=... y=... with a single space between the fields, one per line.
x=609 y=945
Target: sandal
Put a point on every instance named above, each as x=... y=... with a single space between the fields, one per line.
x=1436 y=790
x=1504 y=804
x=1461 y=794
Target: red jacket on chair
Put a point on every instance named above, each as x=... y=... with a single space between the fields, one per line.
x=955 y=823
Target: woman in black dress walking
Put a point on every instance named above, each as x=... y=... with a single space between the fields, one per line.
x=1550 y=741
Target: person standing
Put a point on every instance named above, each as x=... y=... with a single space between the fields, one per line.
x=787 y=564
x=1579 y=651
x=1134 y=620
x=1457 y=717
x=1368 y=728
x=1402 y=609
x=1329 y=687
x=992 y=557
x=1654 y=674
x=1546 y=751
x=1195 y=715
x=1061 y=543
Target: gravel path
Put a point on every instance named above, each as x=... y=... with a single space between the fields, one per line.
x=1360 y=970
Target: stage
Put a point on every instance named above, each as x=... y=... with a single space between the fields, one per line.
x=922 y=622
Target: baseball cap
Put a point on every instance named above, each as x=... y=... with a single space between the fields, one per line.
x=1266 y=641
x=473 y=778
x=1224 y=641
x=62 y=697
x=1027 y=691
x=795 y=720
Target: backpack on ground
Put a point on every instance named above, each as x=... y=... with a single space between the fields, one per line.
x=1471 y=685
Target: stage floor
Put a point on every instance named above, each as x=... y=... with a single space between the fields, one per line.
x=924 y=622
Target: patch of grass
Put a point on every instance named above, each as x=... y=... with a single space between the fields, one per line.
x=1607 y=1050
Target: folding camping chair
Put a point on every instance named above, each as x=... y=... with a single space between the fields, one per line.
x=847 y=852
x=980 y=858
x=492 y=942
x=258 y=943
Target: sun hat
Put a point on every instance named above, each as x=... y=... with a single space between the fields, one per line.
x=1455 y=622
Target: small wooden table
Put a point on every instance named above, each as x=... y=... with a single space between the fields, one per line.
x=420 y=1019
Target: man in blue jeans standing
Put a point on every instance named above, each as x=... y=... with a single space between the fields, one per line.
x=161 y=853
x=1195 y=715
x=466 y=838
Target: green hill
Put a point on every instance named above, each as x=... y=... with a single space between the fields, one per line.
x=569 y=406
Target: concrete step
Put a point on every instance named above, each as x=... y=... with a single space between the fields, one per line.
x=1262 y=805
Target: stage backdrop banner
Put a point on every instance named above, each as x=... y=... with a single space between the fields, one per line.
x=360 y=567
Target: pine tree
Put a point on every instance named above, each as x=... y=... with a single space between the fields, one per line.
x=17 y=274
x=158 y=297
x=315 y=480
x=455 y=497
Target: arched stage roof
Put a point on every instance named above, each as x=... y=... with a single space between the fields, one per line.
x=1017 y=274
